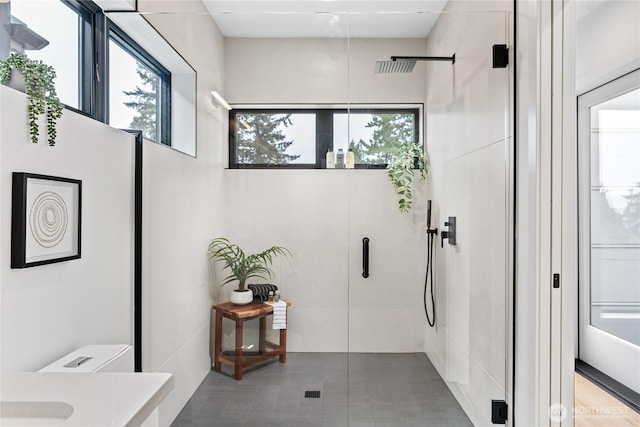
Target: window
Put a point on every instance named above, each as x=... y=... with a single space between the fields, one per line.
x=139 y=89
x=609 y=224
x=58 y=33
x=113 y=66
x=300 y=138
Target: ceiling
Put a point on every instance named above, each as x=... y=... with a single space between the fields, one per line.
x=328 y=18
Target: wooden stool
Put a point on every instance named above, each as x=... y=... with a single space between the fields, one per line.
x=240 y=313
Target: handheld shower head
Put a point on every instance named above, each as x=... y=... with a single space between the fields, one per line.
x=405 y=64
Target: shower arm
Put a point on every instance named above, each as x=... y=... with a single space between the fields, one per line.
x=425 y=58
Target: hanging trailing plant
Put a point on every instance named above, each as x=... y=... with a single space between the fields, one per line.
x=401 y=171
x=40 y=89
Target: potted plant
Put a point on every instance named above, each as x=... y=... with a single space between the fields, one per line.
x=243 y=266
x=40 y=89
x=401 y=171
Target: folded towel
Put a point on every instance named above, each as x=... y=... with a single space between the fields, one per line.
x=279 y=314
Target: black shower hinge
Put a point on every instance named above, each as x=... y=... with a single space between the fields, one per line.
x=499 y=412
x=500 y=56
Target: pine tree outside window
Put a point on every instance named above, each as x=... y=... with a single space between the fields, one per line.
x=138 y=90
x=301 y=137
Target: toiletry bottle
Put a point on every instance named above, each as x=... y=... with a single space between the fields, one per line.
x=351 y=159
x=340 y=159
x=331 y=159
x=276 y=296
x=270 y=300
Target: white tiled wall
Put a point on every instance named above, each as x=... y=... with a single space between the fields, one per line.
x=469 y=145
x=321 y=216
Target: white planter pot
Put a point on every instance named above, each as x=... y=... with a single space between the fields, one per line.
x=241 y=297
x=17 y=82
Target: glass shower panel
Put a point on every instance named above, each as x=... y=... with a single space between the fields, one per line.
x=372 y=355
x=292 y=65
x=464 y=122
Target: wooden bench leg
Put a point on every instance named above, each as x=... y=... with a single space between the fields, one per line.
x=217 y=349
x=283 y=345
x=239 y=358
x=262 y=335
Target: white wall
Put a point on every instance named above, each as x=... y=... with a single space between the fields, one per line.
x=607 y=42
x=319 y=71
x=469 y=142
x=182 y=213
x=322 y=215
x=49 y=311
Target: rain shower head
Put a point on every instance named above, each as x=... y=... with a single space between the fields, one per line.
x=388 y=67
x=405 y=64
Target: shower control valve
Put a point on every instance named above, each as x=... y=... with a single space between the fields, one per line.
x=450 y=234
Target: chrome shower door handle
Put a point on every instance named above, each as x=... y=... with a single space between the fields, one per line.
x=365 y=257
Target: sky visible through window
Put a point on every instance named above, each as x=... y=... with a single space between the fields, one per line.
x=122 y=77
x=346 y=128
x=617 y=131
x=350 y=127
x=59 y=25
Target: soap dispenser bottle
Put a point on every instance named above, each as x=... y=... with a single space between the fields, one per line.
x=331 y=160
x=340 y=159
x=351 y=157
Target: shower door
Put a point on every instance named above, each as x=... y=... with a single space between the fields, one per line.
x=466 y=126
x=364 y=341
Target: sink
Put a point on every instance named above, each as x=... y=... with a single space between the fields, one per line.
x=42 y=414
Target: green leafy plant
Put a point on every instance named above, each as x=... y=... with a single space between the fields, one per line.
x=244 y=266
x=401 y=171
x=40 y=88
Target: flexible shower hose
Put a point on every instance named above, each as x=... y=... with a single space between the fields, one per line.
x=428 y=280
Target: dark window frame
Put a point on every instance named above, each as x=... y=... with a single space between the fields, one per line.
x=88 y=23
x=163 y=103
x=324 y=131
x=94 y=30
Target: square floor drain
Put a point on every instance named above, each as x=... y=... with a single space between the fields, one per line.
x=312 y=394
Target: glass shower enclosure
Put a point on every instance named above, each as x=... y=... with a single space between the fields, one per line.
x=375 y=353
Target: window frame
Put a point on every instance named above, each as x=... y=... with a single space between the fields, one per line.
x=595 y=341
x=163 y=107
x=94 y=30
x=88 y=24
x=324 y=129
x=87 y=14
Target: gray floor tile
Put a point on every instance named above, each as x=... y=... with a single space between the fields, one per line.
x=362 y=389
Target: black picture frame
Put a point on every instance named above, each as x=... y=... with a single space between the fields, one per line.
x=46 y=219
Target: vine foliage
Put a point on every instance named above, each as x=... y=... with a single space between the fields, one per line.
x=40 y=89
x=400 y=171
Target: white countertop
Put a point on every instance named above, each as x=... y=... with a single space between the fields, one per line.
x=98 y=399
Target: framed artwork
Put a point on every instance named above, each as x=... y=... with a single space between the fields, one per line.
x=45 y=219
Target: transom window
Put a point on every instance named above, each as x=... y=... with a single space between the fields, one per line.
x=300 y=138
x=113 y=66
x=58 y=33
x=139 y=89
